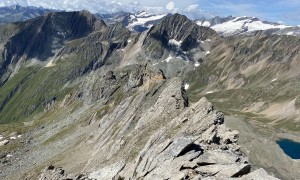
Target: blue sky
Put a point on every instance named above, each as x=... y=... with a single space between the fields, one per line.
x=283 y=11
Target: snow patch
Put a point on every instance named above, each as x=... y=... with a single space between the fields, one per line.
x=143 y=18
x=207 y=52
x=208 y=40
x=179 y=57
x=168 y=59
x=50 y=64
x=129 y=40
x=13 y=137
x=274 y=80
x=197 y=64
x=290 y=33
x=209 y=92
x=19 y=136
x=205 y=23
x=259 y=25
x=154 y=64
x=9 y=155
x=186 y=86
x=245 y=24
x=175 y=42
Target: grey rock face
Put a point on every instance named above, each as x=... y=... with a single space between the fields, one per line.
x=194 y=149
x=136 y=78
x=190 y=146
x=259 y=174
x=175 y=28
x=52 y=172
x=183 y=141
x=108 y=172
x=41 y=37
x=194 y=143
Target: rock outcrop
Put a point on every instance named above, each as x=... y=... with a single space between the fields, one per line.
x=182 y=142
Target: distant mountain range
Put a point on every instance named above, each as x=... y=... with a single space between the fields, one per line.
x=142 y=21
x=19 y=13
x=138 y=22
x=225 y=26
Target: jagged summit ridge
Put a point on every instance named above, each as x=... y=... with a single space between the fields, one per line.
x=42 y=37
x=177 y=37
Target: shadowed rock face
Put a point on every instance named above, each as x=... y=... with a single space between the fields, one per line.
x=179 y=28
x=41 y=37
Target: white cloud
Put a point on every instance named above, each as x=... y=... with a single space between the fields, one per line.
x=193 y=7
x=188 y=7
x=13 y=2
x=170 y=6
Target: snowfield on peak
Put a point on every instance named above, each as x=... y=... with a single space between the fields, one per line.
x=175 y=42
x=237 y=25
x=143 y=20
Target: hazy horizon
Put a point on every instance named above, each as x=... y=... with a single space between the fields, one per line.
x=279 y=11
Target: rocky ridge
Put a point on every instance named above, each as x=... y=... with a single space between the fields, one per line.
x=193 y=145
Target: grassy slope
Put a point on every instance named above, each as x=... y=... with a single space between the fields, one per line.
x=33 y=88
x=258 y=86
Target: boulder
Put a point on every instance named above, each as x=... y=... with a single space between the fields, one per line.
x=108 y=172
x=258 y=174
x=230 y=137
x=231 y=170
x=52 y=173
x=4 y=142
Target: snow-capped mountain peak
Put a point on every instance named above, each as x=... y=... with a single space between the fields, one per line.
x=237 y=25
